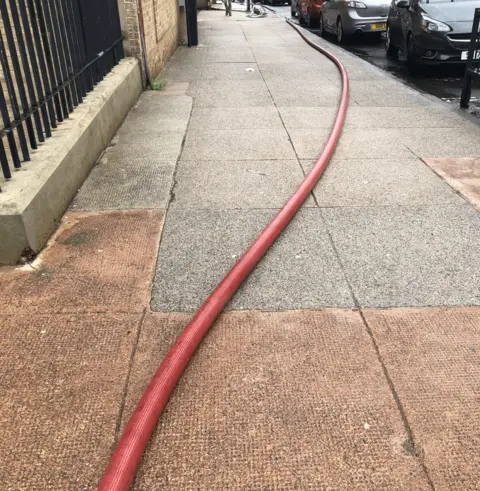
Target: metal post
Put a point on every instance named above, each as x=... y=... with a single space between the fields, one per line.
x=192 y=29
x=472 y=53
x=248 y=5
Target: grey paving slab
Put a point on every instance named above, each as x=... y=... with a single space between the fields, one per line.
x=224 y=41
x=128 y=184
x=304 y=93
x=386 y=93
x=372 y=182
x=324 y=117
x=355 y=143
x=265 y=54
x=230 y=55
x=416 y=117
x=152 y=101
x=193 y=56
x=241 y=93
x=230 y=71
x=443 y=142
x=235 y=118
x=272 y=144
x=165 y=145
x=291 y=71
x=179 y=72
x=237 y=184
x=199 y=247
x=409 y=256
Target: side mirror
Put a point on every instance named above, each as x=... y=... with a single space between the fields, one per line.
x=403 y=4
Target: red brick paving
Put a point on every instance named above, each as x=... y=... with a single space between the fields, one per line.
x=275 y=401
x=433 y=358
x=99 y=262
x=63 y=378
x=463 y=174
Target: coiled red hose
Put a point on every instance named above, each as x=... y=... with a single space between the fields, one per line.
x=128 y=453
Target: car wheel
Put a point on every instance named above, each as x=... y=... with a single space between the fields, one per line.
x=412 y=57
x=390 y=49
x=311 y=23
x=301 y=20
x=341 y=38
x=321 y=26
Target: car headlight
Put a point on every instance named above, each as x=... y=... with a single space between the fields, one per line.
x=355 y=5
x=432 y=25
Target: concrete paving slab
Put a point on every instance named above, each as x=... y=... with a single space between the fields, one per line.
x=227 y=40
x=462 y=174
x=154 y=112
x=356 y=143
x=265 y=54
x=272 y=144
x=230 y=55
x=95 y=263
x=409 y=256
x=61 y=392
x=235 y=118
x=192 y=56
x=237 y=184
x=291 y=400
x=244 y=93
x=123 y=185
x=200 y=246
x=230 y=71
x=372 y=182
x=432 y=358
x=443 y=142
x=369 y=93
x=324 y=117
x=291 y=72
x=416 y=117
x=159 y=145
x=307 y=94
x=179 y=72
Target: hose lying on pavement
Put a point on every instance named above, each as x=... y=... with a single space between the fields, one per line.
x=128 y=453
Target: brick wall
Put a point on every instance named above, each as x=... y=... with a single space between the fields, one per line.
x=161 y=22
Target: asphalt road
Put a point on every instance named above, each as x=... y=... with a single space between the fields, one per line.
x=442 y=82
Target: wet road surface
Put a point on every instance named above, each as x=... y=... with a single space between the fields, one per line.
x=442 y=82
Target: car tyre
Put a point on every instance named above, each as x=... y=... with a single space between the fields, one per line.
x=412 y=57
x=341 y=38
x=390 y=49
x=310 y=22
x=321 y=26
x=301 y=20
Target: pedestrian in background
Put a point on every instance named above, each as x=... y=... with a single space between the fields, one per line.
x=228 y=7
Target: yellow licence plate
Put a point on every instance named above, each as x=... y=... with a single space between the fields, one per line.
x=378 y=27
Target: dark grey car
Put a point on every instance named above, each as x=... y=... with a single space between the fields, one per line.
x=430 y=31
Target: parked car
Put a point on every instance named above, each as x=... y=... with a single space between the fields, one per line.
x=344 y=18
x=277 y=2
x=430 y=31
x=308 y=12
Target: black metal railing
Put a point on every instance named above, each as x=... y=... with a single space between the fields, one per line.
x=472 y=70
x=52 y=53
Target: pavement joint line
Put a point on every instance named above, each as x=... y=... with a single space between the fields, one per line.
x=171 y=193
x=410 y=442
x=283 y=123
x=123 y=398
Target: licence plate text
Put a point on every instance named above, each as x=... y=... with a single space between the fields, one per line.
x=476 y=55
x=378 y=27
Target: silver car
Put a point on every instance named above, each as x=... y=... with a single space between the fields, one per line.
x=344 y=18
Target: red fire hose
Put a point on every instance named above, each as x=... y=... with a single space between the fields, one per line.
x=126 y=457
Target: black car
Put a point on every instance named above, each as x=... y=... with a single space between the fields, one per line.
x=430 y=31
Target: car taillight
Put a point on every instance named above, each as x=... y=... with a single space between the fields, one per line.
x=355 y=5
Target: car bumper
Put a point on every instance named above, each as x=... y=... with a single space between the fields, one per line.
x=435 y=49
x=353 y=23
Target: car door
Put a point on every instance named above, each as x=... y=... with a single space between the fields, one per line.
x=326 y=13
